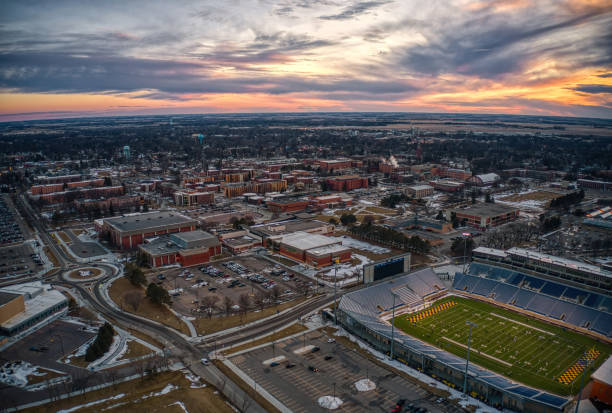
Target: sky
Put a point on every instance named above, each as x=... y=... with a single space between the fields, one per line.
x=104 y=57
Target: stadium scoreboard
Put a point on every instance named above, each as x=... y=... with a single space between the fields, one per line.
x=386 y=268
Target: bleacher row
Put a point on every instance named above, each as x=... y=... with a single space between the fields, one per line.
x=574 y=306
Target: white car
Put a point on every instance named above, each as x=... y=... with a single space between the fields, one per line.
x=205 y=361
x=331 y=340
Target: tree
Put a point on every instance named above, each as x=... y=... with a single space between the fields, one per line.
x=101 y=344
x=459 y=244
x=348 y=219
x=489 y=199
x=333 y=221
x=367 y=220
x=133 y=299
x=260 y=300
x=209 y=302
x=228 y=303
x=275 y=293
x=158 y=294
x=134 y=274
x=244 y=301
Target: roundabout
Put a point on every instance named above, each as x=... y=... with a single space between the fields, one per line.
x=83 y=274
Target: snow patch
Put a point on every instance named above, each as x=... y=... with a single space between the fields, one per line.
x=15 y=373
x=165 y=390
x=361 y=245
x=365 y=385
x=194 y=380
x=80 y=406
x=181 y=405
x=329 y=402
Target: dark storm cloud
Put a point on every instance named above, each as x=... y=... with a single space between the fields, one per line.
x=595 y=89
x=354 y=10
x=33 y=72
x=490 y=45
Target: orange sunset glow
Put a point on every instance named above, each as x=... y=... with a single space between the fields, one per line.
x=149 y=57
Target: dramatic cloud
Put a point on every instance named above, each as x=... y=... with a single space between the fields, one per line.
x=518 y=56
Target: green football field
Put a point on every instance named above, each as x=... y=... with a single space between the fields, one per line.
x=519 y=347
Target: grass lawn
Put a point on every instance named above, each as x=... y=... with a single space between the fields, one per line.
x=286 y=332
x=381 y=210
x=141 y=395
x=517 y=346
x=135 y=349
x=51 y=257
x=210 y=325
x=147 y=309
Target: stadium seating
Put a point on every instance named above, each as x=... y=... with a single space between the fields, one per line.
x=516 y=278
x=522 y=298
x=541 y=304
x=504 y=293
x=561 y=310
x=573 y=293
x=606 y=304
x=553 y=289
x=583 y=317
x=603 y=324
x=484 y=287
x=533 y=283
x=593 y=300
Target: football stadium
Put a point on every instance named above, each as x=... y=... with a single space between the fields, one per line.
x=538 y=325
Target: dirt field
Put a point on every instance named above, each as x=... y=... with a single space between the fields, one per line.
x=539 y=195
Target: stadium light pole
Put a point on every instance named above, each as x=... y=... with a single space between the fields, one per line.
x=392 y=325
x=588 y=363
x=467 y=360
x=465 y=237
x=335 y=299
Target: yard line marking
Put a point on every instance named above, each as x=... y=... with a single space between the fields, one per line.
x=523 y=324
x=480 y=354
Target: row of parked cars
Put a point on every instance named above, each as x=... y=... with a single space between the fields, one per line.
x=401 y=407
x=234 y=266
x=9 y=228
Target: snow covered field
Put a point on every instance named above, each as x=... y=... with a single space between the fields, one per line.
x=15 y=373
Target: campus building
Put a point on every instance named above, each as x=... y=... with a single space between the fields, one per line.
x=420 y=191
x=313 y=249
x=22 y=306
x=484 y=179
x=484 y=215
x=346 y=183
x=129 y=231
x=288 y=204
x=276 y=230
x=446 y=185
x=186 y=248
x=187 y=198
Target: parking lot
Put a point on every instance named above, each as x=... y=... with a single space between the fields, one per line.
x=19 y=260
x=302 y=374
x=10 y=230
x=230 y=278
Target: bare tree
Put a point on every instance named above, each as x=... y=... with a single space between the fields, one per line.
x=260 y=300
x=133 y=299
x=228 y=303
x=275 y=294
x=244 y=301
x=209 y=302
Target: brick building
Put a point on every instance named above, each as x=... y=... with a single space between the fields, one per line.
x=193 y=198
x=420 y=191
x=313 y=249
x=131 y=230
x=483 y=216
x=288 y=204
x=186 y=248
x=346 y=183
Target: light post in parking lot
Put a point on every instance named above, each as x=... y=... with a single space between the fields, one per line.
x=467 y=360
x=61 y=344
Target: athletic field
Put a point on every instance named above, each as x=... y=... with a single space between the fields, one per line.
x=519 y=347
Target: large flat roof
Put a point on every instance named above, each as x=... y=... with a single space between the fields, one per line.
x=285 y=227
x=148 y=220
x=305 y=241
x=486 y=209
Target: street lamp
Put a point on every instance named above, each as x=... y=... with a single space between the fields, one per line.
x=466 y=235
x=467 y=360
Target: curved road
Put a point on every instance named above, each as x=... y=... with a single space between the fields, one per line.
x=176 y=345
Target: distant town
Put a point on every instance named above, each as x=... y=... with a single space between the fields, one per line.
x=396 y=262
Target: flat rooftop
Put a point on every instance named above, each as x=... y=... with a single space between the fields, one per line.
x=149 y=220
x=486 y=209
x=44 y=301
x=330 y=249
x=287 y=227
x=305 y=241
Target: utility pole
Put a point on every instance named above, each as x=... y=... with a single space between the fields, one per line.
x=467 y=360
x=465 y=238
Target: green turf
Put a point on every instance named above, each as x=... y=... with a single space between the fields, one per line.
x=535 y=358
